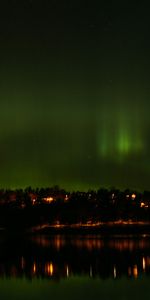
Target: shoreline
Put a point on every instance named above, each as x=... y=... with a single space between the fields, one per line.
x=106 y=229
x=100 y=229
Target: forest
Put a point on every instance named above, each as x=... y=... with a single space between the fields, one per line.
x=24 y=208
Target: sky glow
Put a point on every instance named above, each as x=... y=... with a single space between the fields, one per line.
x=74 y=94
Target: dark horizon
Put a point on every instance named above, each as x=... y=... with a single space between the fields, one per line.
x=49 y=210
x=58 y=188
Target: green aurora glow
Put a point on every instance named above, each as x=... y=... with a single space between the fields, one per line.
x=74 y=94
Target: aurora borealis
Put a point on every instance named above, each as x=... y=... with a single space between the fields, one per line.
x=74 y=94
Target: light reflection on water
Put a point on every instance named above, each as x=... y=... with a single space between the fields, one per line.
x=70 y=260
x=91 y=242
x=100 y=257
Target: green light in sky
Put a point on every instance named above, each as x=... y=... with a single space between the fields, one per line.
x=120 y=136
x=104 y=144
x=124 y=143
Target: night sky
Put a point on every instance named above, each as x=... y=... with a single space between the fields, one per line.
x=75 y=94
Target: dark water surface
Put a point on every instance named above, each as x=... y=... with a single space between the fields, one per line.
x=75 y=267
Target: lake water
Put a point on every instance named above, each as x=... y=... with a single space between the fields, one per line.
x=75 y=267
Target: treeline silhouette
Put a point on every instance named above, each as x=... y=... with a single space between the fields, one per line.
x=30 y=207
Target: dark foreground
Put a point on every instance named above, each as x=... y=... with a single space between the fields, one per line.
x=61 y=266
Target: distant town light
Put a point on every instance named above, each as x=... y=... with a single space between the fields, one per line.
x=34 y=268
x=144 y=263
x=115 y=272
x=66 y=198
x=67 y=271
x=133 y=196
x=33 y=201
x=113 y=195
x=49 y=269
x=135 y=271
x=48 y=199
x=129 y=271
x=143 y=204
